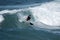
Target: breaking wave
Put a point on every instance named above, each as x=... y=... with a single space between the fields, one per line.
x=45 y=16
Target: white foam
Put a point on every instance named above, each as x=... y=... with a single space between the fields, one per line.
x=9 y=11
x=47 y=13
x=1 y=18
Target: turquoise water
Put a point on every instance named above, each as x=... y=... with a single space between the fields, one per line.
x=12 y=29
x=27 y=34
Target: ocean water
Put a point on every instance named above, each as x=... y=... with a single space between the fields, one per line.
x=45 y=16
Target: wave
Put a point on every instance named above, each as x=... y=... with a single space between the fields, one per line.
x=48 y=14
x=12 y=7
x=43 y=16
x=22 y=2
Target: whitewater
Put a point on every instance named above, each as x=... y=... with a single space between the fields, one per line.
x=45 y=16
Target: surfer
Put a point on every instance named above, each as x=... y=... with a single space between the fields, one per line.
x=28 y=18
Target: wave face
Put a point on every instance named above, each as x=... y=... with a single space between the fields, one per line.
x=44 y=16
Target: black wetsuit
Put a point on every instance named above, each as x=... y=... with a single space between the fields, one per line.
x=28 y=18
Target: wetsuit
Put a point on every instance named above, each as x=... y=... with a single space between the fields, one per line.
x=28 y=18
